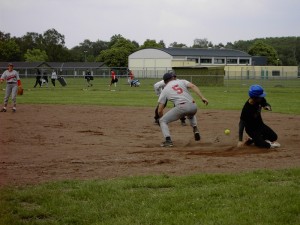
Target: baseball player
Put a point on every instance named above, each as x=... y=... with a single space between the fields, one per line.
x=259 y=133
x=114 y=79
x=88 y=77
x=177 y=92
x=158 y=87
x=12 y=82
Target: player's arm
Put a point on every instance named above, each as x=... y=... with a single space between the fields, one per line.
x=160 y=110
x=266 y=105
x=241 y=132
x=198 y=92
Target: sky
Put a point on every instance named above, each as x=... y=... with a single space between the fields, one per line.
x=181 y=21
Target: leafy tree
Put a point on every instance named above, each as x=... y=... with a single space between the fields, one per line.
x=152 y=44
x=9 y=50
x=117 y=54
x=4 y=36
x=202 y=43
x=261 y=49
x=35 y=55
x=54 y=45
x=177 y=45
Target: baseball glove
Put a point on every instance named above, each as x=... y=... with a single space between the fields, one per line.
x=20 y=90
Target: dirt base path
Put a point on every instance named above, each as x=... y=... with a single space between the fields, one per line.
x=43 y=143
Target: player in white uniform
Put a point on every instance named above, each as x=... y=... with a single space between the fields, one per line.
x=177 y=92
x=158 y=87
x=12 y=82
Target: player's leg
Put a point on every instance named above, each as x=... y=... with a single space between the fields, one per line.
x=8 y=91
x=172 y=115
x=191 y=109
x=258 y=139
x=14 y=97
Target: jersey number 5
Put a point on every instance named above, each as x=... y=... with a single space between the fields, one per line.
x=177 y=89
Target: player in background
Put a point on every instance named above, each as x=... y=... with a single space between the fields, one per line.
x=53 y=77
x=88 y=77
x=158 y=87
x=114 y=79
x=250 y=120
x=177 y=92
x=130 y=77
x=12 y=83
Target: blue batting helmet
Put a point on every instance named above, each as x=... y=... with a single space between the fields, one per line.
x=256 y=91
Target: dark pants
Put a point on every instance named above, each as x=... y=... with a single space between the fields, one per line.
x=260 y=136
x=53 y=82
x=38 y=81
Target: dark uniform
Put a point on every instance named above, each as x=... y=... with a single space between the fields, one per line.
x=254 y=126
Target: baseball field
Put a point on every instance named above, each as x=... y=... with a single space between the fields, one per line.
x=78 y=155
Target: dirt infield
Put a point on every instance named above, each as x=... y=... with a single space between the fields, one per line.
x=43 y=143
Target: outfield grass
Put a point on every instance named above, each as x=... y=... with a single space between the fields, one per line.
x=259 y=197
x=231 y=96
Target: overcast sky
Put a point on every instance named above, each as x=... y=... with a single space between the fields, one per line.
x=220 y=21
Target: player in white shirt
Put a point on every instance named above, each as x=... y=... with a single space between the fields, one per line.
x=177 y=92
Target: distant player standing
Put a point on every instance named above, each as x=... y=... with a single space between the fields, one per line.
x=114 y=79
x=12 y=82
x=177 y=92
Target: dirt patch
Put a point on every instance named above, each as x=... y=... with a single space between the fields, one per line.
x=43 y=143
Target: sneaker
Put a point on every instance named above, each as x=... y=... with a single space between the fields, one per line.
x=183 y=123
x=167 y=144
x=14 y=109
x=3 y=110
x=273 y=144
x=156 y=122
x=196 y=134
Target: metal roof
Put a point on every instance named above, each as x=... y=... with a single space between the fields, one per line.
x=202 y=52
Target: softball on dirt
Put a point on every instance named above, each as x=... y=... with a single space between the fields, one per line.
x=227 y=131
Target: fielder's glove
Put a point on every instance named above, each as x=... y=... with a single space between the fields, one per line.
x=20 y=90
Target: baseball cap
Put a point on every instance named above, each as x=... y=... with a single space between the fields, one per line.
x=167 y=76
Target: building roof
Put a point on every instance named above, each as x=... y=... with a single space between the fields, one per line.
x=210 y=52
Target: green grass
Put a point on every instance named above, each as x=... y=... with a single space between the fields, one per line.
x=260 y=197
x=284 y=99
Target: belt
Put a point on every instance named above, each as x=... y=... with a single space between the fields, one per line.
x=182 y=103
x=11 y=82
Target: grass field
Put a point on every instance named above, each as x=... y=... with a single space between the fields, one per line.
x=284 y=99
x=258 y=197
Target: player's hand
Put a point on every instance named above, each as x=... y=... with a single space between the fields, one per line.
x=240 y=144
x=205 y=101
x=268 y=108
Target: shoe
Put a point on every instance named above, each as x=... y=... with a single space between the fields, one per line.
x=273 y=144
x=196 y=134
x=167 y=143
x=183 y=123
x=14 y=109
x=3 y=110
x=156 y=122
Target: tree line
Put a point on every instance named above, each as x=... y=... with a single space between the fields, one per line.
x=50 y=46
